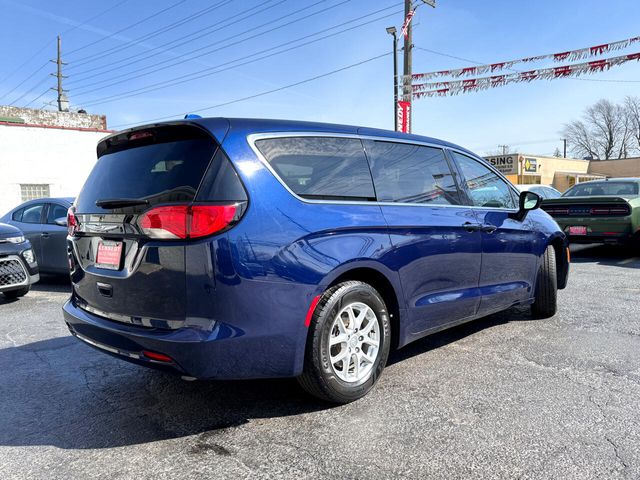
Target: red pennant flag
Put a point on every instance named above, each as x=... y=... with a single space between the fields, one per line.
x=562 y=71
x=599 y=49
x=598 y=65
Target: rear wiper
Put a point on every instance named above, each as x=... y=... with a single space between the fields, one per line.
x=120 y=202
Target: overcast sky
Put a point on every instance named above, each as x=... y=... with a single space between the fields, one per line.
x=528 y=117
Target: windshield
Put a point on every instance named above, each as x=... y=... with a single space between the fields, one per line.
x=602 y=188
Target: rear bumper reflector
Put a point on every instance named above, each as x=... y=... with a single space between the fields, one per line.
x=312 y=307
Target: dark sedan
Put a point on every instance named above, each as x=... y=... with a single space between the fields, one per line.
x=44 y=224
x=18 y=267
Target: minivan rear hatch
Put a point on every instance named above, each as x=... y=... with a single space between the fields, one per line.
x=130 y=224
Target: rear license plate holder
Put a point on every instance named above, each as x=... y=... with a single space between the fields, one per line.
x=577 y=230
x=109 y=254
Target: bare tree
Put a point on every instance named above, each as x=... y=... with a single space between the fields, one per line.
x=632 y=108
x=604 y=133
x=557 y=153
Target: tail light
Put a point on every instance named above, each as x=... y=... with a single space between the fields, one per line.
x=556 y=211
x=188 y=221
x=72 y=222
x=609 y=211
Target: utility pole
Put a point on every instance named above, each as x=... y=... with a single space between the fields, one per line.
x=564 y=140
x=393 y=32
x=407 y=65
x=504 y=148
x=407 y=93
x=63 y=101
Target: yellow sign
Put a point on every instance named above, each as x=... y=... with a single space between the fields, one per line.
x=530 y=165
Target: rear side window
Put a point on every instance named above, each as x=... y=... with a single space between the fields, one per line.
x=408 y=173
x=17 y=215
x=56 y=211
x=162 y=165
x=221 y=183
x=320 y=167
x=32 y=213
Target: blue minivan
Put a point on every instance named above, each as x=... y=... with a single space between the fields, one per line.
x=239 y=248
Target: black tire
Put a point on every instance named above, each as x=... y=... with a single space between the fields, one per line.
x=17 y=293
x=546 y=299
x=318 y=377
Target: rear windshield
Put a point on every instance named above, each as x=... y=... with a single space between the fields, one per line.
x=164 y=165
x=602 y=188
x=321 y=167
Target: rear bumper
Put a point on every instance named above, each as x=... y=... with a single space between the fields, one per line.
x=617 y=238
x=224 y=352
x=599 y=230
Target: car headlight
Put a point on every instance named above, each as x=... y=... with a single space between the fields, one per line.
x=29 y=256
x=18 y=239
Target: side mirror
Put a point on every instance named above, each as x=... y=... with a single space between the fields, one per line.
x=62 y=221
x=528 y=201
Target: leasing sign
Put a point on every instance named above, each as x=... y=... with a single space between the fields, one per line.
x=506 y=164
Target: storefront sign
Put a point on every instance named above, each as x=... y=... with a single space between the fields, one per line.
x=530 y=165
x=506 y=164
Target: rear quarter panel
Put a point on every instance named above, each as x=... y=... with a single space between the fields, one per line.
x=285 y=251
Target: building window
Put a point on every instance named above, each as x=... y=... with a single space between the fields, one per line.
x=31 y=191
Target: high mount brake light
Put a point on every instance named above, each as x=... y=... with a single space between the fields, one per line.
x=139 y=135
x=72 y=222
x=187 y=221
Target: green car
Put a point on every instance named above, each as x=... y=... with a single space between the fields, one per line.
x=600 y=211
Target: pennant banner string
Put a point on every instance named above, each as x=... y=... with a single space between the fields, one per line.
x=571 y=55
x=455 y=87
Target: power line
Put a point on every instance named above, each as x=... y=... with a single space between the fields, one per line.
x=249 y=97
x=99 y=56
x=64 y=32
x=200 y=74
x=30 y=90
x=159 y=66
x=128 y=27
x=38 y=70
x=38 y=97
x=186 y=40
x=46 y=45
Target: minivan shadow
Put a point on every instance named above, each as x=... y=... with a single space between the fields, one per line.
x=63 y=393
x=455 y=334
x=610 y=255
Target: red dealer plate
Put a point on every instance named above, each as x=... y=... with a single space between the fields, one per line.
x=577 y=230
x=109 y=255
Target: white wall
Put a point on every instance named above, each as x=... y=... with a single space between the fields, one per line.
x=53 y=156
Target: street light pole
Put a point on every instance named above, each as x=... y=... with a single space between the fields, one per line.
x=393 y=32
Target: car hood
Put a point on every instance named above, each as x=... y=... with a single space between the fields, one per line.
x=8 y=231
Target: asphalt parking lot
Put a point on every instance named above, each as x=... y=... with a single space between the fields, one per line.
x=505 y=396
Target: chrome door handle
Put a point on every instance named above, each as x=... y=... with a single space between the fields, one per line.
x=471 y=227
x=488 y=228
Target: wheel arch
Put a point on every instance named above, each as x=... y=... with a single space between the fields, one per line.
x=560 y=245
x=385 y=283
